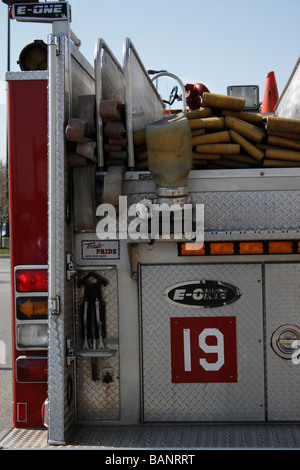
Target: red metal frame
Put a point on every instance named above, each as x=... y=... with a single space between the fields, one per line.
x=27 y=118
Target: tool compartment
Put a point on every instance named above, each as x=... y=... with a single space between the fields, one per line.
x=98 y=390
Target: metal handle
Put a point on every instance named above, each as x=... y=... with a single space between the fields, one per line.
x=73 y=352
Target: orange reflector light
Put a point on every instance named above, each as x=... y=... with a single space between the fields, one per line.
x=32 y=307
x=280 y=247
x=192 y=249
x=226 y=248
x=32 y=280
x=32 y=369
x=251 y=248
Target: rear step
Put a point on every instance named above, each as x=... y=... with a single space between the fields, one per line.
x=165 y=436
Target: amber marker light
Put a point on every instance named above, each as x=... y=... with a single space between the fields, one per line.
x=192 y=249
x=32 y=308
x=251 y=248
x=226 y=248
x=280 y=247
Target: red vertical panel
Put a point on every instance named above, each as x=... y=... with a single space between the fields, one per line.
x=28 y=170
x=27 y=124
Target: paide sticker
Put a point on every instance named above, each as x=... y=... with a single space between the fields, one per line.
x=100 y=250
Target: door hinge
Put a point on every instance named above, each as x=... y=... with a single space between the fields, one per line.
x=54 y=41
x=54 y=306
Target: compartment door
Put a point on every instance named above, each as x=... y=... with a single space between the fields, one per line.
x=202 y=364
x=282 y=329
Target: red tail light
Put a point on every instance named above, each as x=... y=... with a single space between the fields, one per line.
x=32 y=369
x=32 y=280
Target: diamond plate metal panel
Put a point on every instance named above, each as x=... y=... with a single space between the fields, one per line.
x=163 y=436
x=30 y=75
x=61 y=244
x=97 y=400
x=249 y=210
x=282 y=307
x=166 y=401
x=227 y=212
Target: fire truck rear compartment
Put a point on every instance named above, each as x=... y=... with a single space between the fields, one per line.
x=140 y=388
x=254 y=386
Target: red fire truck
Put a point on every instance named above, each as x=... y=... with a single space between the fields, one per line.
x=124 y=340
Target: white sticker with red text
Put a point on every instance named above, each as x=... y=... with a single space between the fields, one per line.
x=100 y=250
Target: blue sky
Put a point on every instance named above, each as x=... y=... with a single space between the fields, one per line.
x=215 y=42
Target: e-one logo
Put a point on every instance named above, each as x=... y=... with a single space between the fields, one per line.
x=38 y=9
x=45 y=10
x=202 y=294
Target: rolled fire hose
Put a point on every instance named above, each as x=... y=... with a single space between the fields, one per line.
x=247 y=130
x=247 y=146
x=222 y=101
x=275 y=124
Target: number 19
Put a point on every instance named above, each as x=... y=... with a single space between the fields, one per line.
x=207 y=348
